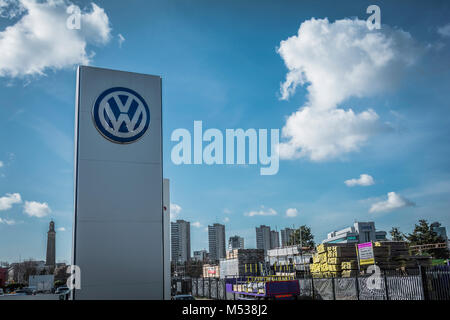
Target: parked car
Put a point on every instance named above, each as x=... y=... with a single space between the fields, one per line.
x=62 y=290
x=20 y=292
x=183 y=297
x=30 y=290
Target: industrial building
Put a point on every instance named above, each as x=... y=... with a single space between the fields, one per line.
x=360 y=232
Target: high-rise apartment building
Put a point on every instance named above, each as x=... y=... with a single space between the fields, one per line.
x=180 y=235
x=263 y=237
x=216 y=239
x=274 y=239
x=286 y=237
x=235 y=242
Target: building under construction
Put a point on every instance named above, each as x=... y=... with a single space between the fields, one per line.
x=290 y=260
x=240 y=262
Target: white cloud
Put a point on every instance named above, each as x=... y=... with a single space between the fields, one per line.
x=262 y=212
x=7 y=222
x=7 y=201
x=196 y=224
x=326 y=134
x=444 y=30
x=121 y=40
x=40 y=39
x=226 y=219
x=364 y=180
x=1 y=164
x=291 y=212
x=36 y=209
x=393 y=202
x=227 y=211
x=174 y=211
x=61 y=229
x=336 y=61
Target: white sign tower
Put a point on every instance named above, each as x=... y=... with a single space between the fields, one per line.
x=118 y=222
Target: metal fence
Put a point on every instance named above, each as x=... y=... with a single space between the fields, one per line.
x=210 y=288
x=419 y=284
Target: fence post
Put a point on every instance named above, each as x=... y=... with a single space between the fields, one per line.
x=224 y=290
x=209 y=287
x=424 y=278
x=333 y=285
x=386 y=285
x=217 y=289
x=357 y=286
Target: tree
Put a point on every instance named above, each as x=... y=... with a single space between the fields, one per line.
x=423 y=234
x=396 y=235
x=194 y=269
x=307 y=237
x=59 y=283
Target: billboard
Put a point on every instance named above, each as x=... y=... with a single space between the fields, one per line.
x=365 y=253
x=118 y=221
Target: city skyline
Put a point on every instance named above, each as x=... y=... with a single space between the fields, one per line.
x=180 y=230
x=380 y=153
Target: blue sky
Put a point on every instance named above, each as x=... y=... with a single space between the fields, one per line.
x=220 y=63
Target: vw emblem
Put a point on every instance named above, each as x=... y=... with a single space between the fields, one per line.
x=121 y=115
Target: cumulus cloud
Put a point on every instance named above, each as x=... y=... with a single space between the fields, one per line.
x=326 y=134
x=336 y=61
x=363 y=180
x=7 y=222
x=226 y=219
x=444 y=30
x=262 y=212
x=291 y=212
x=393 y=202
x=41 y=40
x=174 y=211
x=1 y=164
x=7 y=201
x=61 y=229
x=36 y=209
x=196 y=224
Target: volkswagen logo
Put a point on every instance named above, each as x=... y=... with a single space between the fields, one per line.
x=121 y=115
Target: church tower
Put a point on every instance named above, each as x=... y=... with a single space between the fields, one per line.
x=51 y=236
